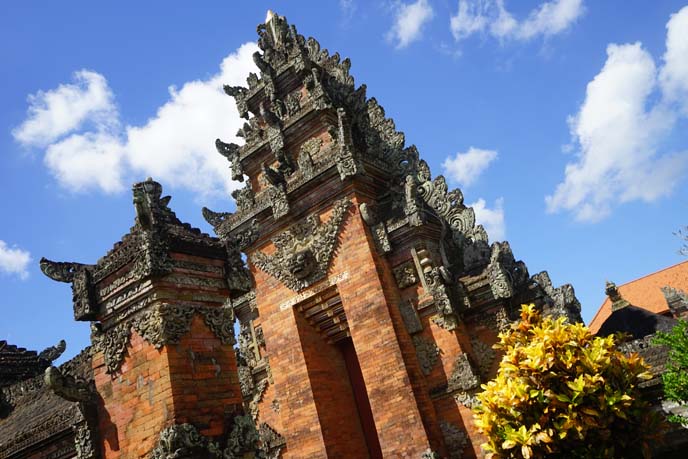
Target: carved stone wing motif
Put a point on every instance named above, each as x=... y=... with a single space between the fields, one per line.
x=303 y=252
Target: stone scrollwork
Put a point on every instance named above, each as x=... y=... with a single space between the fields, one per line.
x=428 y=353
x=84 y=442
x=183 y=441
x=303 y=252
x=307 y=152
x=79 y=275
x=161 y=325
x=243 y=439
x=446 y=316
x=560 y=301
x=463 y=376
x=278 y=201
x=484 y=356
x=405 y=274
x=504 y=272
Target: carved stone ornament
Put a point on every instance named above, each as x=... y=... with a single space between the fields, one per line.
x=307 y=152
x=463 y=376
x=504 y=272
x=347 y=164
x=243 y=439
x=278 y=201
x=84 y=442
x=271 y=441
x=69 y=387
x=377 y=228
x=163 y=324
x=405 y=274
x=467 y=398
x=79 y=275
x=455 y=440
x=484 y=356
x=303 y=252
x=560 y=301
x=428 y=353
x=231 y=152
x=446 y=316
x=183 y=441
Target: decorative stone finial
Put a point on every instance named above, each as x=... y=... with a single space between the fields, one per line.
x=617 y=300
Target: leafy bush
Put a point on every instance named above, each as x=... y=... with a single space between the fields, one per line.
x=562 y=392
x=675 y=378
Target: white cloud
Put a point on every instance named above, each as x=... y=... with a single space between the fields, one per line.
x=14 y=260
x=466 y=168
x=176 y=146
x=409 y=21
x=674 y=74
x=491 y=16
x=619 y=130
x=54 y=113
x=491 y=219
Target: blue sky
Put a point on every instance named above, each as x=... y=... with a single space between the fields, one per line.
x=563 y=122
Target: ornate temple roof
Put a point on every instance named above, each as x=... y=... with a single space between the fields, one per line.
x=31 y=412
x=18 y=364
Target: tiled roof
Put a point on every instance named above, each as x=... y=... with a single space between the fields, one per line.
x=646 y=292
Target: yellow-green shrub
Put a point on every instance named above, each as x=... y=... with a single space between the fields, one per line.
x=561 y=392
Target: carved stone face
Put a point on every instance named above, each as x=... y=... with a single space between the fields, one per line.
x=302 y=264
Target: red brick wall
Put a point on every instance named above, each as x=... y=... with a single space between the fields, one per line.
x=194 y=381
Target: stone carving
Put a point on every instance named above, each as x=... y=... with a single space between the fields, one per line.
x=466 y=398
x=183 y=441
x=463 y=376
x=347 y=165
x=378 y=228
x=504 y=272
x=244 y=197
x=427 y=351
x=560 y=301
x=275 y=405
x=113 y=343
x=405 y=274
x=161 y=325
x=308 y=150
x=253 y=405
x=484 y=356
x=243 y=439
x=448 y=204
x=84 y=442
x=293 y=103
x=455 y=440
x=446 y=316
x=53 y=352
x=271 y=441
x=410 y=317
x=676 y=299
x=618 y=301
x=278 y=201
x=79 y=275
x=68 y=386
x=231 y=152
x=303 y=251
